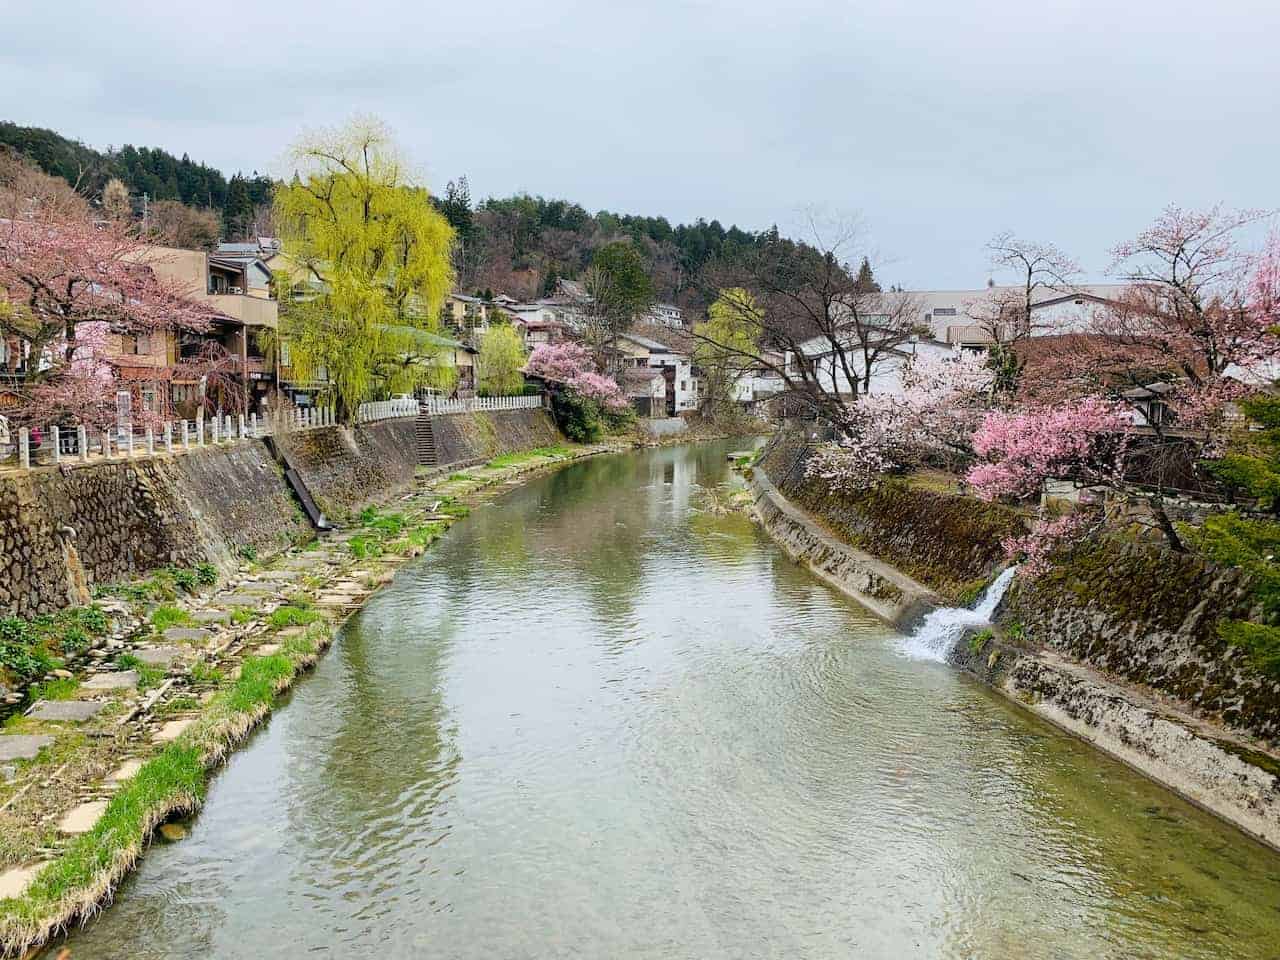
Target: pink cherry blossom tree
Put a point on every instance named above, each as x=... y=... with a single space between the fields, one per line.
x=66 y=286
x=570 y=364
x=940 y=402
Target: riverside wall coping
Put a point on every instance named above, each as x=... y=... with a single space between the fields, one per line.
x=887 y=592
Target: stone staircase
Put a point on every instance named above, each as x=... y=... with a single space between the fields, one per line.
x=425 y=440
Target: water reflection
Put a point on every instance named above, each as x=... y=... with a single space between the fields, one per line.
x=598 y=720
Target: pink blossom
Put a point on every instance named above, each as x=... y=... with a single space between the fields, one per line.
x=1083 y=438
x=1045 y=538
x=558 y=361
x=570 y=364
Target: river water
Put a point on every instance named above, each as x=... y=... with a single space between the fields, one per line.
x=597 y=721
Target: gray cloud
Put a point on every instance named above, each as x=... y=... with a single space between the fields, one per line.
x=940 y=122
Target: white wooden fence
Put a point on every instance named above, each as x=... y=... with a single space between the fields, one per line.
x=387 y=409
x=126 y=441
x=434 y=405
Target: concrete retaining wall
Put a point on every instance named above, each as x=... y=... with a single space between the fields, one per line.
x=665 y=427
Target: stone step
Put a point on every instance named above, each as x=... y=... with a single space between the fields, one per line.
x=170 y=731
x=22 y=746
x=14 y=882
x=118 y=680
x=211 y=616
x=187 y=634
x=72 y=711
x=160 y=656
x=82 y=818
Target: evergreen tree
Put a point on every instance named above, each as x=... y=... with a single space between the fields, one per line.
x=866 y=281
x=237 y=212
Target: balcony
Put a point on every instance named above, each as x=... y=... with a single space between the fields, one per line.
x=248 y=310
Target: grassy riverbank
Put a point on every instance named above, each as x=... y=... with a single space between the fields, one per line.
x=78 y=814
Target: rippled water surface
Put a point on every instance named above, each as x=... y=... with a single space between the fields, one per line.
x=597 y=722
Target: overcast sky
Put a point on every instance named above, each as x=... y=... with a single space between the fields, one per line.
x=940 y=122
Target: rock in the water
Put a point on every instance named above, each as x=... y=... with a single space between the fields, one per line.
x=173 y=831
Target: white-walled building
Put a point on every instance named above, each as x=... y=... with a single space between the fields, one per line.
x=885 y=375
x=681 y=389
x=954 y=316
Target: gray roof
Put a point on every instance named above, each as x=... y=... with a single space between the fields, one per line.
x=653 y=346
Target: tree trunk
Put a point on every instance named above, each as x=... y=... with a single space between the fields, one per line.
x=1166 y=525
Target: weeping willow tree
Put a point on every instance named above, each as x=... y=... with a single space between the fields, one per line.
x=371 y=267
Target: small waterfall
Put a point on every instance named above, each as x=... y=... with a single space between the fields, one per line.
x=940 y=630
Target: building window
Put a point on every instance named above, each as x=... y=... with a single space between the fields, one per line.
x=284 y=353
x=142 y=345
x=148 y=401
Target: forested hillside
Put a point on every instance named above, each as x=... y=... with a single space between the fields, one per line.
x=145 y=171
x=516 y=245
x=521 y=244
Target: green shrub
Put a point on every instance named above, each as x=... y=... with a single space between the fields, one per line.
x=579 y=419
x=186 y=579
x=207 y=574
x=979 y=640
x=60 y=689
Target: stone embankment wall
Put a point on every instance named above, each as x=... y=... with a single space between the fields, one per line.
x=346 y=469
x=467 y=438
x=880 y=588
x=947 y=542
x=64 y=529
x=1214 y=770
x=1149 y=615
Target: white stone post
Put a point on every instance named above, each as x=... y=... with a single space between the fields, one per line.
x=57 y=443
x=240 y=425
x=24 y=448
x=168 y=436
x=226 y=429
x=106 y=444
x=151 y=441
x=213 y=430
x=200 y=429
x=82 y=443
x=253 y=425
x=128 y=441
x=186 y=437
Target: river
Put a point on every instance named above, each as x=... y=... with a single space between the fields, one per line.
x=597 y=721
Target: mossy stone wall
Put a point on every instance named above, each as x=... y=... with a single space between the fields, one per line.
x=1147 y=614
x=947 y=542
x=467 y=437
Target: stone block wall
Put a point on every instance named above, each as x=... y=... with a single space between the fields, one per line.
x=947 y=542
x=347 y=469
x=467 y=437
x=64 y=529
x=1146 y=614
